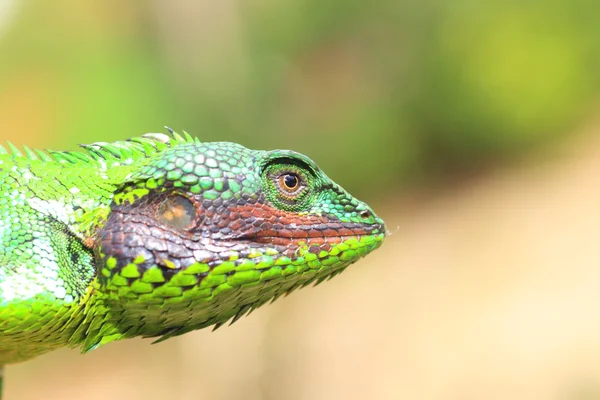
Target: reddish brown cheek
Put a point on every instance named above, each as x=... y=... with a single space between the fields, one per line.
x=267 y=224
x=265 y=213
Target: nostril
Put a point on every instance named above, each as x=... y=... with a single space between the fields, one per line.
x=365 y=214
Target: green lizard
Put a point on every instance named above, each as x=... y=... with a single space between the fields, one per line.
x=161 y=235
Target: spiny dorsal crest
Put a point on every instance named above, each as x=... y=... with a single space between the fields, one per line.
x=121 y=152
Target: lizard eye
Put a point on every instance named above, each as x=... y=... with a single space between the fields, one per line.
x=290 y=184
x=177 y=212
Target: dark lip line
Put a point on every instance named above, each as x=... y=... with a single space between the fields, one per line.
x=343 y=237
x=296 y=236
x=297 y=233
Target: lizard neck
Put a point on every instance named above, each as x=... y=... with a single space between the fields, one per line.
x=47 y=223
x=77 y=196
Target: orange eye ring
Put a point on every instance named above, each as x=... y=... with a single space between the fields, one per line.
x=289 y=182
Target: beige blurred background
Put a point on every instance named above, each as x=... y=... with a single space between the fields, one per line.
x=470 y=127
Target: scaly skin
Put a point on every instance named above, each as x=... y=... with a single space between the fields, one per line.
x=161 y=235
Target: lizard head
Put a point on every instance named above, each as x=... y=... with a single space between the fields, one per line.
x=205 y=232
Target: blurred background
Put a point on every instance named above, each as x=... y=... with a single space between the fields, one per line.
x=471 y=127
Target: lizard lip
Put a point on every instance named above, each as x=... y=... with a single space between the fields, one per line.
x=331 y=233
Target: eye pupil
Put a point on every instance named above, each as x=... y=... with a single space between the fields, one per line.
x=290 y=181
x=290 y=185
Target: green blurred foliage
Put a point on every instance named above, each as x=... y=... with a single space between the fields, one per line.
x=501 y=77
x=380 y=94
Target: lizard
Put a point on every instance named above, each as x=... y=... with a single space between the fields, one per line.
x=160 y=235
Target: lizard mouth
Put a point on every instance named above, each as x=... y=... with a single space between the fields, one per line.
x=332 y=233
x=264 y=224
